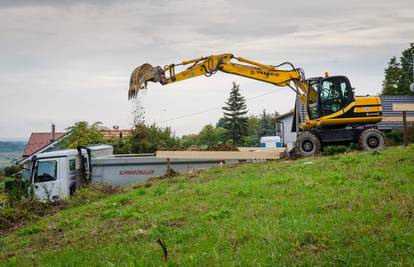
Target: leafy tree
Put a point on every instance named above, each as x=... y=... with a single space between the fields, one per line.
x=253 y=125
x=120 y=145
x=150 y=138
x=208 y=136
x=399 y=74
x=82 y=134
x=234 y=116
x=258 y=126
x=274 y=120
x=190 y=140
x=211 y=136
x=266 y=126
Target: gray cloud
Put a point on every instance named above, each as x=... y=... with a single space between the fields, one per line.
x=22 y=3
x=64 y=61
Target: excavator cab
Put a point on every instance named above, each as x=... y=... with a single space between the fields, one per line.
x=333 y=94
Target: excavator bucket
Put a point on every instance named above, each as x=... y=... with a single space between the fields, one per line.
x=141 y=76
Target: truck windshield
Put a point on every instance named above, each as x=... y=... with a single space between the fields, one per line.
x=45 y=171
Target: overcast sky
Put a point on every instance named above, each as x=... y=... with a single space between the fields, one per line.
x=65 y=61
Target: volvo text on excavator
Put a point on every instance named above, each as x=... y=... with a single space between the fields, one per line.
x=333 y=114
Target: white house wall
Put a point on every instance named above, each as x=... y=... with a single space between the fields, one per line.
x=289 y=137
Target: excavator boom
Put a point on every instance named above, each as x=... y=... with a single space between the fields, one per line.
x=208 y=66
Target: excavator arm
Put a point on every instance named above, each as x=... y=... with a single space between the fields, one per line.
x=208 y=66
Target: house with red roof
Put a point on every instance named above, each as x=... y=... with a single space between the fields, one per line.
x=38 y=141
x=49 y=141
x=41 y=142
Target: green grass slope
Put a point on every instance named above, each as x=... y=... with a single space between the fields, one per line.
x=341 y=210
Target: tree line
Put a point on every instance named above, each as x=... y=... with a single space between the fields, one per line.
x=234 y=128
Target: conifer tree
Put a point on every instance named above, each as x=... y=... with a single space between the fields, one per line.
x=235 y=121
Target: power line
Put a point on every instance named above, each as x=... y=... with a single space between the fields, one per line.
x=207 y=110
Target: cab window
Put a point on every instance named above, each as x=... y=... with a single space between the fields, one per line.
x=313 y=109
x=72 y=165
x=45 y=171
x=335 y=93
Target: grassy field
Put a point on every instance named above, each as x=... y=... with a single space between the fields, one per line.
x=350 y=209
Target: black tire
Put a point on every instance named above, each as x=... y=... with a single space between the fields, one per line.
x=72 y=190
x=308 y=144
x=371 y=140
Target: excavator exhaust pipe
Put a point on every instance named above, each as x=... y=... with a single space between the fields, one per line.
x=141 y=76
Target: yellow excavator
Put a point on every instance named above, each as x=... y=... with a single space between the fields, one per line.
x=332 y=113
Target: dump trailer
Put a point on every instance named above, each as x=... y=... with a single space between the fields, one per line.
x=58 y=174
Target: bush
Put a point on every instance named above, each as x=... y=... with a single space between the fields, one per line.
x=396 y=136
x=92 y=192
x=330 y=150
x=3 y=200
x=29 y=230
x=10 y=170
x=16 y=189
x=17 y=213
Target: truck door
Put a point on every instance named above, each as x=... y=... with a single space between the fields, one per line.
x=45 y=180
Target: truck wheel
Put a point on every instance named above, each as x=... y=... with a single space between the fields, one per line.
x=72 y=190
x=308 y=144
x=371 y=140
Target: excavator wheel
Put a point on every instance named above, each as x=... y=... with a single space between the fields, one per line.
x=371 y=139
x=308 y=144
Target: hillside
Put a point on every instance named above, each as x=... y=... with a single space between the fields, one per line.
x=339 y=210
x=12 y=146
x=10 y=150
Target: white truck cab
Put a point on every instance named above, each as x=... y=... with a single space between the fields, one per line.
x=56 y=175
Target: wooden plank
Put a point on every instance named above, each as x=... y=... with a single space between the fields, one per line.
x=397 y=119
x=275 y=154
x=403 y=107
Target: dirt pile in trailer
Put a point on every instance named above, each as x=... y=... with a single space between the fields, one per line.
x=222 y=147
